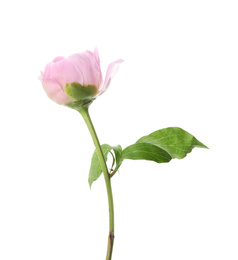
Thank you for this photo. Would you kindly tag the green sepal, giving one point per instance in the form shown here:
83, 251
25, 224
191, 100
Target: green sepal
77, 105
80, 94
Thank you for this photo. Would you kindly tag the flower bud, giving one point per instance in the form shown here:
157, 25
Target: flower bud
77, 79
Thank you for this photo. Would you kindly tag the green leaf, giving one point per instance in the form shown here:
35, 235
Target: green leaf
95, 168
174, 140
117, 150
146, 151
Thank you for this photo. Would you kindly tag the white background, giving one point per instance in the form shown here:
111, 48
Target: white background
180, 69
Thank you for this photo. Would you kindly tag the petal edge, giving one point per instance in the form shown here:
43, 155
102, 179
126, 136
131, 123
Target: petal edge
111, 72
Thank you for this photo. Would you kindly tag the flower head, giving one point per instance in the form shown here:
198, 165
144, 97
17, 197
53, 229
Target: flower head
77, 78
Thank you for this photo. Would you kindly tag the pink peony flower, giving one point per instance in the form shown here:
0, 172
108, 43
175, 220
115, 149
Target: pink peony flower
76, 78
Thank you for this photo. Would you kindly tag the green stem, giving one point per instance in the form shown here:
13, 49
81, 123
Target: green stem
84, 112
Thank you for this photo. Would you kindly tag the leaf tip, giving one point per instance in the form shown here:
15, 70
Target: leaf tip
201, 145
90, 184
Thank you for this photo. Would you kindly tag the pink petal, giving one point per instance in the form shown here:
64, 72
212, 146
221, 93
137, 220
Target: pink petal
111, 72
84, 63
96, 56
96, 62
55, 92
65, 72
58, 59
89, 53
47, 72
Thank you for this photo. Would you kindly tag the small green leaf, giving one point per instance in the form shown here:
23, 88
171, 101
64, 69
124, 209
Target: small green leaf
174, 140
146, 151
118, 154
117, 150
95, 168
